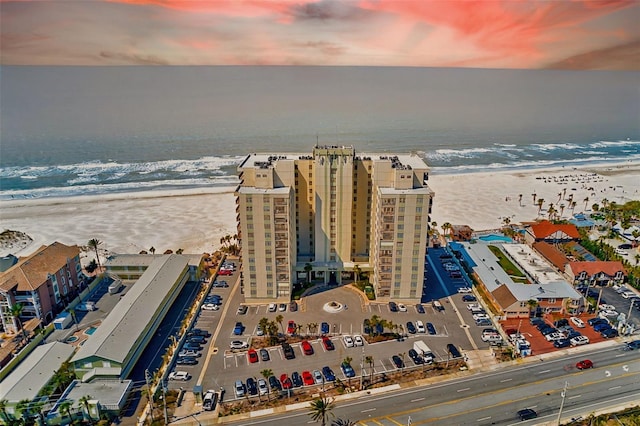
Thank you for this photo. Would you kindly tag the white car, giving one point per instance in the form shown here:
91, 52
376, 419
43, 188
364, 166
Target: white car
263, 389
179, 375
402, 307
477, 317
621, 289
238, 344
317, 377
474, 306
606, 307
239, 388
208, 400
259, 331
577, 322
348, 341
358, 340
607, 314
464, 290
554, 336
210, 307
272, 307
627, 294
579, 340
186, 352
420, 327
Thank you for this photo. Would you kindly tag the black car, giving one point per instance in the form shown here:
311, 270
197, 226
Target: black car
393, 307
527, 414
296, 379
561, 322
293, 306
187, 360
264, 354
633, 345
288, 351
274, 383
411, 328
192, 346
455, 353
609, 333
220, 284
535, 321
469, 298
596, 321
417, 359
197, 339
562, 343
366, 326
252, 387
397, 361
420, 309
430, 328
199, 332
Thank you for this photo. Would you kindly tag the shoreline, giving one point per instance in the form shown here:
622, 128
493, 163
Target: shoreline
195, 219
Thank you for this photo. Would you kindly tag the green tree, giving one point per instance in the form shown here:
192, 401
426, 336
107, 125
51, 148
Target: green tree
320, 409
23, 407
266, 373
369, 360
85, 403
532, 304
16, 311
65, 407
94, 244
279, 319
343, 422
446, 229
540, 203
308, 268
3, 411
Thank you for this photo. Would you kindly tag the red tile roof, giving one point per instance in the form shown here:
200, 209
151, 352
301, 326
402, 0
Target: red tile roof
592, 268
552, 254
545, 228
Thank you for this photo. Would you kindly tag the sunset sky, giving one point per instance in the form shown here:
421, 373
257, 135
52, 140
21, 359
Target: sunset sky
563, 34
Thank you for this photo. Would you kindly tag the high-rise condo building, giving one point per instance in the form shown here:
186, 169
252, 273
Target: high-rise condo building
320, 216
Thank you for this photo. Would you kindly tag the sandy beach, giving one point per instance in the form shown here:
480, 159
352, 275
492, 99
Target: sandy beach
196, 220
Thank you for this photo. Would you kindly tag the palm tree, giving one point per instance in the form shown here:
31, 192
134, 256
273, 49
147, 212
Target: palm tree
320, 409
356, 274
279, 319
313, 327
16, 311
562, 206
36, 407
551, 211
559, 197
540, 202
308, 268
3, 410
532, 304
85, 403
586, 201
343, 422
72, 312
369, 360
65, 407
520, 200
347, 361
266, 373
573, 207
534, 195
446, 227
94, 243
23, 407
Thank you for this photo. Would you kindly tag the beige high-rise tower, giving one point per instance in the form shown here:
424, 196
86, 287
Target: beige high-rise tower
319, 216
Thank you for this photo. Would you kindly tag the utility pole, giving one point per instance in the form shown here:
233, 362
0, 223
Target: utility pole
563, 394
147, 377
362, 367
164, 399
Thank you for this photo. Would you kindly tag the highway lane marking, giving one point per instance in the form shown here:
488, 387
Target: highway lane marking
615, 387
417, 399
483, 419
505, 380
619, 355
574, 397
366, 411
543, 371
462, 390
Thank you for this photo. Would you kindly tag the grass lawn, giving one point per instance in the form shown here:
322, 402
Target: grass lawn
506, 264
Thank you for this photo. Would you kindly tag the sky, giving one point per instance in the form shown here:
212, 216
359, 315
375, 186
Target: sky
559, 34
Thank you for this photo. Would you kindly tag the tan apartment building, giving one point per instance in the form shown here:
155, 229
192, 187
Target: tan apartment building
323, 214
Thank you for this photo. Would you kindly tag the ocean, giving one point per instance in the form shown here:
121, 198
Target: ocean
68, 131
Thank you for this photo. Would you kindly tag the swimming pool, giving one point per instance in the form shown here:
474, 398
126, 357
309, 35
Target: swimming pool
72, 339
495, 238
89, 331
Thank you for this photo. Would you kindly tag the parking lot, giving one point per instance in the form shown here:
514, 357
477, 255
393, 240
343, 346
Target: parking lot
219, 366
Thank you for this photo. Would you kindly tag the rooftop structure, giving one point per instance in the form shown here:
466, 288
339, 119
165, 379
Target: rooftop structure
551, 232
106, 395
118, 342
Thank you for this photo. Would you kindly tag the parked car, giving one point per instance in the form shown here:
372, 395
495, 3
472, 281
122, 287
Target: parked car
453, 350
415, 357
469, 298
188, 353
561, 343
282, 307
594, 321
252, 355
430, 328
633, 345
437, 305
464, 290
238, 329
199, 332
411, 328
274, 383
272, 307
291, 327
577, 322
420, 327
327, 343
347, 369
209, 400
197, 339
262, 387
287, 350
551, 337
328, 374
179, 375
601, 327
187, 360
242, 309
264, 355
210, 307
324, 328
402, 307
527, 414
252, 387
221, 284
238, 344
293, 306
239, 388
397, 361
307, 378
579, 340
286, 381
393, 307
317, 377
296, 378
307, 349
366, 326
609, 333
358, 340
348, 341
420, 308
584, 364
190, 346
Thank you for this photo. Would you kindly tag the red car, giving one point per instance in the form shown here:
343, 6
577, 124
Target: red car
286, 381
307, 378
306, 348
585, 363
291, 328
328, 344
253, 356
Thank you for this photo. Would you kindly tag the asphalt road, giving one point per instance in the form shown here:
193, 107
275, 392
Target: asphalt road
493, 398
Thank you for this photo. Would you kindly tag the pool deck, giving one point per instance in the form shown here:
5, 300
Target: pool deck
81, 335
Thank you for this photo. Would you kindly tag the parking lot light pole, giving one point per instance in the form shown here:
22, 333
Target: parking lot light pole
563, 394
362, 367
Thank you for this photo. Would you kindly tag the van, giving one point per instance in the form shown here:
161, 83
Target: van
86, 307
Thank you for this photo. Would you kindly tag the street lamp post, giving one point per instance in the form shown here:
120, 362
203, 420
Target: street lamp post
563, 394
362, 367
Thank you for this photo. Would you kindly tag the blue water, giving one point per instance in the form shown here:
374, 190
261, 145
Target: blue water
492, 238
69, 131
89, 331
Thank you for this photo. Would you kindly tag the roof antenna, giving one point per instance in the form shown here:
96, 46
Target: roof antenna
316, 139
